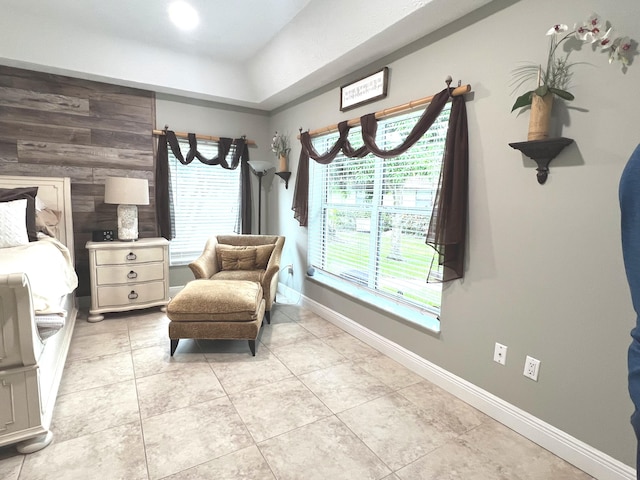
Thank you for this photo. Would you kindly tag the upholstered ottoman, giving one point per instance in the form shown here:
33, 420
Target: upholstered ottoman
216, 309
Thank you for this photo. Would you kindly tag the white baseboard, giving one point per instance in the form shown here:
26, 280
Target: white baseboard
287, 295
585, 457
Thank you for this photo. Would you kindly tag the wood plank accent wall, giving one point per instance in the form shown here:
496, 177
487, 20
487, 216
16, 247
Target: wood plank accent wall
52, 125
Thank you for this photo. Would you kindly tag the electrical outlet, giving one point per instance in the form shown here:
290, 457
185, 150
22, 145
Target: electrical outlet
531, 368
500, 354
290, 269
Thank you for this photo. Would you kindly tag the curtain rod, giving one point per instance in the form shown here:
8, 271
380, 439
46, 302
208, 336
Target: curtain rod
199, 137
387, 112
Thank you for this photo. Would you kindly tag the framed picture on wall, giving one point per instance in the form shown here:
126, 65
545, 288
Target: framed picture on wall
368, 89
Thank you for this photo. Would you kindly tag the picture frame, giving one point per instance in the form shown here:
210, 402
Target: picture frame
365, 90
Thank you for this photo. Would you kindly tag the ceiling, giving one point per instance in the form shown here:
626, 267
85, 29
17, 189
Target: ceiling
252, 53
229, 30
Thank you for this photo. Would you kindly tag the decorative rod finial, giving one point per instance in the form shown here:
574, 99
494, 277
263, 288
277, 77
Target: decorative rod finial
448, 81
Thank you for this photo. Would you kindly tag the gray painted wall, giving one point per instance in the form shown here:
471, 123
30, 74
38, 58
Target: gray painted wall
207, 118
544, 271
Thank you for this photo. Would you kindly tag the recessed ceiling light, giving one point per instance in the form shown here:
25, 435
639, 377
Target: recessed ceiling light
183, 15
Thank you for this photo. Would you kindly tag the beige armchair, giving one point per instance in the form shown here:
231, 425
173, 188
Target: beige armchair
243, 257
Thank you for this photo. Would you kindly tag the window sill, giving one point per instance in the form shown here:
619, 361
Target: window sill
179, 263
420, 320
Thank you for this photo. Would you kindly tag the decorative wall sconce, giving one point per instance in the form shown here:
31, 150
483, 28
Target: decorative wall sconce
281, 147
542, 152
285, 176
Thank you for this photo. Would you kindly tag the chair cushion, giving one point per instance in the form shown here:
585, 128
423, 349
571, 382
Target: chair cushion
216, 300
236, 258
263, 254
231, 252
248, 275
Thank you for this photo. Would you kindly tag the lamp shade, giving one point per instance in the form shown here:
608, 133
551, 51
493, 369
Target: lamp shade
261, 167
126, 191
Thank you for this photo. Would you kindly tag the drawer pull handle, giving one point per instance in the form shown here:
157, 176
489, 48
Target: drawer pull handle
133, 295
132, 274
131, 256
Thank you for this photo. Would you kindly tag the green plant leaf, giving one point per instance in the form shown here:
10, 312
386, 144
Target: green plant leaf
523, 74
561, 93
542, 90
522, 101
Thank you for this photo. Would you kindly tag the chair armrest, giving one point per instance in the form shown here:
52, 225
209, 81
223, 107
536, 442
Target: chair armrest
268, 275
270, 279
206, 265
270, 285
274, 260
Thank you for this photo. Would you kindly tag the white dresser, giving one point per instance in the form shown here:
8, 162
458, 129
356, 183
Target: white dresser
128, 275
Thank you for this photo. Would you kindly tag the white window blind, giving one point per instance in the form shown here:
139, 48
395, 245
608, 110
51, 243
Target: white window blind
368, 217
206, 200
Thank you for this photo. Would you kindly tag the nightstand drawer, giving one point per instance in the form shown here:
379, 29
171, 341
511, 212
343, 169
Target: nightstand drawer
129, 274
131, 294
129, 256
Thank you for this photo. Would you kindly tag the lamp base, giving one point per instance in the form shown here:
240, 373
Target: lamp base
127, 223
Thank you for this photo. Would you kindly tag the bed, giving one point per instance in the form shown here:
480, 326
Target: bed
35, 327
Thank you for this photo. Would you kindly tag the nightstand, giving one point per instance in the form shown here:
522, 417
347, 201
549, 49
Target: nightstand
128, 275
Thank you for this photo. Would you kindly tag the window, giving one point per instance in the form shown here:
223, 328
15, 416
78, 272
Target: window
368, 217
206, 201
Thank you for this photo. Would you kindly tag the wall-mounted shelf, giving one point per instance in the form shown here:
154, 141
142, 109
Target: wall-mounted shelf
285, 176
542, 151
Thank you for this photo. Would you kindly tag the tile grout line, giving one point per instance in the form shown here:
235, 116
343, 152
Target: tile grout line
357, 362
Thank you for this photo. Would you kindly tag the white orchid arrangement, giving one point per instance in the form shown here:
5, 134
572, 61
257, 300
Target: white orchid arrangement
280, 145
555, 77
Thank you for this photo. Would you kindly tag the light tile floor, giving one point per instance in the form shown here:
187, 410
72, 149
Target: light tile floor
314, 403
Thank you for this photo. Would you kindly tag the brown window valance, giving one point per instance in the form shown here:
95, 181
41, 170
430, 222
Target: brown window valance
447, 229
224, 145
240, 158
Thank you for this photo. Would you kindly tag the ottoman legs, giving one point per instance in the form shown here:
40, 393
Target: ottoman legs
174, 345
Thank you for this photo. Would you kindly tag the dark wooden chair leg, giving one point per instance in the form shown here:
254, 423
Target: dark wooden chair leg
267, 314
252, 347
174, 345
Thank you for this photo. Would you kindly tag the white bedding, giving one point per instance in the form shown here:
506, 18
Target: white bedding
47, 264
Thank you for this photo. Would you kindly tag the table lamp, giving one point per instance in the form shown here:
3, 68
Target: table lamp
127, 193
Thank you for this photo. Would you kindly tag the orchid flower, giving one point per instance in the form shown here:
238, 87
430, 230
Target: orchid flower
280, 144
555, 77
591, 30
557, 29
605, 42
622, 50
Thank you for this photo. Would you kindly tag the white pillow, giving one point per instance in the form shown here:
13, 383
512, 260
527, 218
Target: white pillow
13, 226
40, 205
